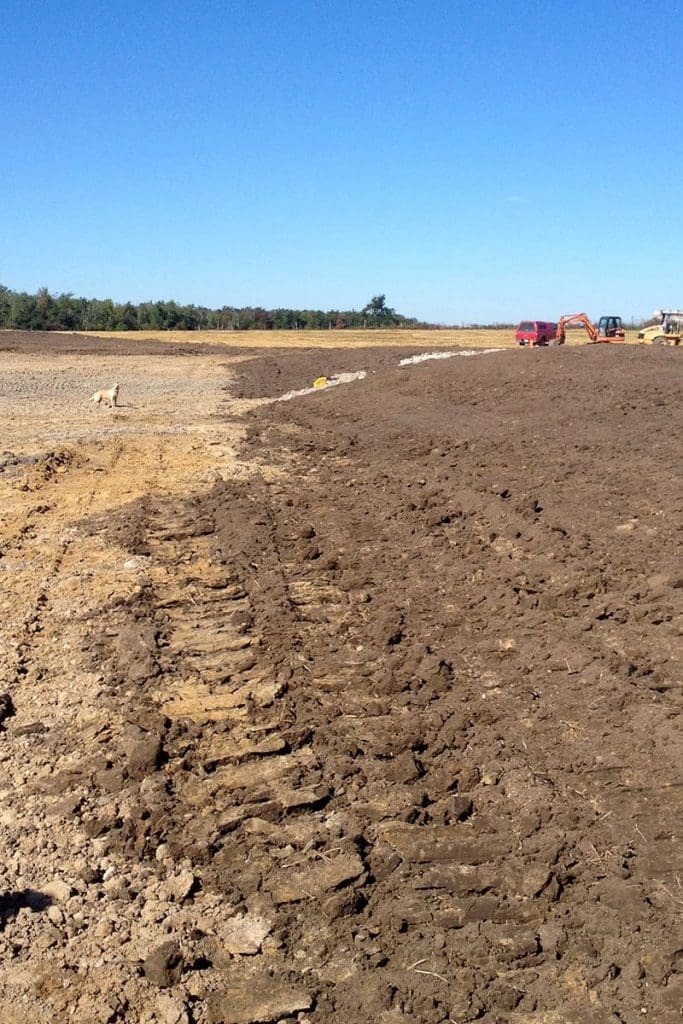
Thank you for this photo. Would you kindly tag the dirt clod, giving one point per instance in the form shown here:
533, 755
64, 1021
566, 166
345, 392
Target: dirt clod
164, 964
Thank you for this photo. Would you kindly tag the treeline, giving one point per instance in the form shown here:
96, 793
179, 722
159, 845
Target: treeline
46, 312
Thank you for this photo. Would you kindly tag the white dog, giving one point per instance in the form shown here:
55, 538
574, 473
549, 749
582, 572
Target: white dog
109, 396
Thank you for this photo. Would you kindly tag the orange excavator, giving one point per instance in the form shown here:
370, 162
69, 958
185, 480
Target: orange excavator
609, 328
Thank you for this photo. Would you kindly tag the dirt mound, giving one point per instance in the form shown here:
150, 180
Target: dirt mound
283, 370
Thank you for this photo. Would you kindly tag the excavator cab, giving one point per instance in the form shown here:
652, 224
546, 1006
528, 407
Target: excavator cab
610, 327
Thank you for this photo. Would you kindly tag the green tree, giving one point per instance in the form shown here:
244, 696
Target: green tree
378, 313
5, 306
67, 313
128, 317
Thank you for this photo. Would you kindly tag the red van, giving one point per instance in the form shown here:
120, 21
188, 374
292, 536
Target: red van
535, 332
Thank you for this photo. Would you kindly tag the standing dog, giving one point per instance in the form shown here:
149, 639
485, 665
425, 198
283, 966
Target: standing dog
109, 396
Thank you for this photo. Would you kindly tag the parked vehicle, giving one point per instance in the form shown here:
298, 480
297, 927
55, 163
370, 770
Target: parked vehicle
535, 332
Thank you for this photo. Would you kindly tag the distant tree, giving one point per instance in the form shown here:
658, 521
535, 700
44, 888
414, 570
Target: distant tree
376, 305
5, 306
128, 317
378, 313
43, 310
67, 313
103, 315
25, 314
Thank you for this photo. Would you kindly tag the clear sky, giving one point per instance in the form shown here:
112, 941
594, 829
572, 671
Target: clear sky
488, 160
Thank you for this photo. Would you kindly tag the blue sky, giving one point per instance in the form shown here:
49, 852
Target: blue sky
475, 161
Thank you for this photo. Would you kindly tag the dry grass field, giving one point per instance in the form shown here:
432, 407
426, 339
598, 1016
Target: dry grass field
451, 338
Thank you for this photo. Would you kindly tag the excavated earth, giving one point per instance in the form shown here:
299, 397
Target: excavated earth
359, 707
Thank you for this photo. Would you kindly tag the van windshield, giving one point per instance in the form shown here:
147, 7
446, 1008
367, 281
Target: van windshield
527, 327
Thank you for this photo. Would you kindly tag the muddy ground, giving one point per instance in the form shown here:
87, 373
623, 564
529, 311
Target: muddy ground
358, 707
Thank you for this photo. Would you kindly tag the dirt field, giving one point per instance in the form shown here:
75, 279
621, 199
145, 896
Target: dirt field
362, 706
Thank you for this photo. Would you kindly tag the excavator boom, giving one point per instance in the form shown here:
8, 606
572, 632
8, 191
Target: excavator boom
574, 318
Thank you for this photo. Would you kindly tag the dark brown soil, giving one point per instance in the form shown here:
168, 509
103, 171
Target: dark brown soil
41, 342
447, 615
279, 371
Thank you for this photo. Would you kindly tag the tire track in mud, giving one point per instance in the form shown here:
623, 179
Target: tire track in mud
543, 648
338, 788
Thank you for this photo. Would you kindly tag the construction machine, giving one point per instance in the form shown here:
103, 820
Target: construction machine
609, 328
667, 332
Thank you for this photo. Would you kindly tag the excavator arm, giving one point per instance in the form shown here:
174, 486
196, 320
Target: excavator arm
574, 318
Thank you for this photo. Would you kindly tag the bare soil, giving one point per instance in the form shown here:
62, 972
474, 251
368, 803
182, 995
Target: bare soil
358, 707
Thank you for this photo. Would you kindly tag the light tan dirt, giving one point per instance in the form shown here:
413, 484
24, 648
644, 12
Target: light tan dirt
62, 462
